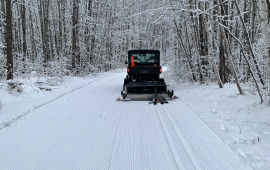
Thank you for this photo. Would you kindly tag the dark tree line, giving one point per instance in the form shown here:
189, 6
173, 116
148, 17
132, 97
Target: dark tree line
222, 41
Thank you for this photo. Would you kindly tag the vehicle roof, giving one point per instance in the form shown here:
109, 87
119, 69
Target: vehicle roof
144, 51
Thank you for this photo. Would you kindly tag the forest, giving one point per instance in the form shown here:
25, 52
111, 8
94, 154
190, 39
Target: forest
222, 41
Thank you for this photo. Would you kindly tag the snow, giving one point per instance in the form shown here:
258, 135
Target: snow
76, 123
240, 121
16, 105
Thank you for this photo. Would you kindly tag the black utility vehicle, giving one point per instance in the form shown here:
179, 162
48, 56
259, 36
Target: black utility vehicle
143, 80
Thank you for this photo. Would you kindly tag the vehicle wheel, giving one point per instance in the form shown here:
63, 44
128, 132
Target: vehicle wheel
125, 83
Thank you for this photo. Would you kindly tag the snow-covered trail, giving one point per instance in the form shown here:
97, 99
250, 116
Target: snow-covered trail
88, 129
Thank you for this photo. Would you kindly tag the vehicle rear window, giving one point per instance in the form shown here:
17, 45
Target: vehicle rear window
144, 58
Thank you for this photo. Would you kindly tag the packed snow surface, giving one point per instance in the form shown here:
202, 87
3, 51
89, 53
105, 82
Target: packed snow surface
76, 123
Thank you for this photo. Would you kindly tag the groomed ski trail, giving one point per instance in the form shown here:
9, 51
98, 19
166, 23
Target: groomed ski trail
90, 130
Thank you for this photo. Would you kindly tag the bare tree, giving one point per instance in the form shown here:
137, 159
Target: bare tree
266, 34
246, 34
210, 47
75, 50
228, 50
9, 41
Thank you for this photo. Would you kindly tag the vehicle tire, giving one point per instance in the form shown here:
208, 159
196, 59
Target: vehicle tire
125, 83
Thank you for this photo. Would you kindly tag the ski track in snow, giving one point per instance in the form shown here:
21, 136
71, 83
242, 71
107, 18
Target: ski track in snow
24, 113
200, 143
90, 130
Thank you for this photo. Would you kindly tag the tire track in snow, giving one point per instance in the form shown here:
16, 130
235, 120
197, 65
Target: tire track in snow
129, 142
180, 154
140, 143
106, 134
147, 158
24, 113
98, 153
203, 143
134, 134
64, 144
116, 137
76, 156
162, 157
117, 162
15, 151
42, 107
133, 142
29, 127
24, 146
44, 142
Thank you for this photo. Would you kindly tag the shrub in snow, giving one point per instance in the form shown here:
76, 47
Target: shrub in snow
15, 85
55, 81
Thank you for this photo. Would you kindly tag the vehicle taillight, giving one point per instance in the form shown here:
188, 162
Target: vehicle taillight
160, 70
128, 70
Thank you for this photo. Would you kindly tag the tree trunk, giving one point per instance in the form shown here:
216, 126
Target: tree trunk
210, 47
268, 7
46, 32
180, 40
75, 60
254, 8
24, 34
249, 43
222, 62
196, 46
229, 54
9, 42
249, 67
266, 34
62, 12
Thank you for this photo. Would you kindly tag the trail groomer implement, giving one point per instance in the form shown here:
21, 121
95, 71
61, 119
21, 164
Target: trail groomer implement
143, 80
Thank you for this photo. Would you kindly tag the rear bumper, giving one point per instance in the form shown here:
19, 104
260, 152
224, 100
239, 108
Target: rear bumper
134, 96
144, 70
146, 88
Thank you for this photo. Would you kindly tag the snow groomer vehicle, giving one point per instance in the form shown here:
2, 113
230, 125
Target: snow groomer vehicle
143, 80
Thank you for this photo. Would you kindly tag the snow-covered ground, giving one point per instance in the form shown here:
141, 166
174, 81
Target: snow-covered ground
240, 121
75, 123
36, 92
